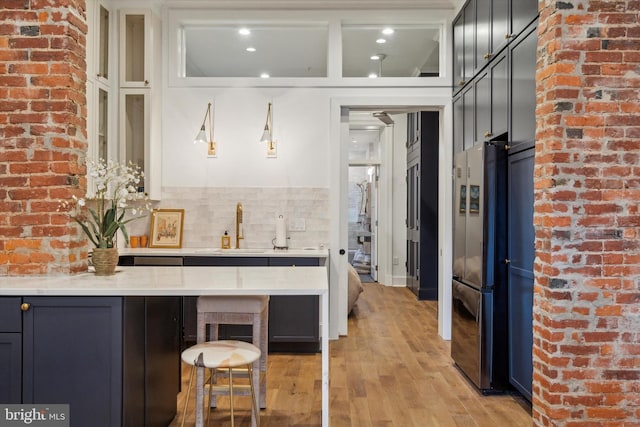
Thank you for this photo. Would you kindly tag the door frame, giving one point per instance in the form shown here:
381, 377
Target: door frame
338, 201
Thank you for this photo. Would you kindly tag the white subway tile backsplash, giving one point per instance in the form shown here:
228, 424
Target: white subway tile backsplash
211, 211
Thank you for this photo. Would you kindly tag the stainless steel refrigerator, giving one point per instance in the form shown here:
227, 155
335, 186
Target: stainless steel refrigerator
479, 320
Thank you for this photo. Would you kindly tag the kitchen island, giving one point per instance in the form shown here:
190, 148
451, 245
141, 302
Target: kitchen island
294, 320
109, 298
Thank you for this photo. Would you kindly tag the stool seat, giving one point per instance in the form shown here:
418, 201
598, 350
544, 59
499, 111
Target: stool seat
221, 354
232, 304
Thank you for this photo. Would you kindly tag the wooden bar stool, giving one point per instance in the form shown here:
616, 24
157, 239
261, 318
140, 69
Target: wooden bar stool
224, 354
238, 310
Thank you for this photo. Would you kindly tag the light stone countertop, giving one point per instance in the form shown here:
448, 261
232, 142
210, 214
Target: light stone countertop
150, 281
213, 252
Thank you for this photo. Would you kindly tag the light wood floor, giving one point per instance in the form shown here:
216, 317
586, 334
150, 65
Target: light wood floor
392, 370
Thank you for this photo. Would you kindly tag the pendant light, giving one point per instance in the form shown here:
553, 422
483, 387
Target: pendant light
201, 137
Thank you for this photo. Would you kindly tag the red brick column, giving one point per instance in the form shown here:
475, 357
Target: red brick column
586, 349
42, 134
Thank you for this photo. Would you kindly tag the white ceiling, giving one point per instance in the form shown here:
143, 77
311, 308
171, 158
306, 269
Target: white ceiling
325, 4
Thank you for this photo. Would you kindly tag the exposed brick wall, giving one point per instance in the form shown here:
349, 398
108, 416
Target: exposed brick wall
42, 134
587, 197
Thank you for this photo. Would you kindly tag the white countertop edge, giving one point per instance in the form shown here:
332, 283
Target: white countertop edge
175, 281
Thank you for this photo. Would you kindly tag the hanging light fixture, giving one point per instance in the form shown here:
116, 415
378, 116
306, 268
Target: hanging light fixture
267, 134
201, 138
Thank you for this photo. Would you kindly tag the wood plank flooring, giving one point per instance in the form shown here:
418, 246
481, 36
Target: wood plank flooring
392, 370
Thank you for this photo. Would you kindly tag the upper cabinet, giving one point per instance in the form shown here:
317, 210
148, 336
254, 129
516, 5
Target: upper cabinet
458, 51
469, 40
483, 33
523, 90
500, 28
139, 95
482, 30
136, 47
523, 13
98, 42
100, 83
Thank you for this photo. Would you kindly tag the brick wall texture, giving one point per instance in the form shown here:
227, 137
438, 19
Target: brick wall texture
42, 134
586, 350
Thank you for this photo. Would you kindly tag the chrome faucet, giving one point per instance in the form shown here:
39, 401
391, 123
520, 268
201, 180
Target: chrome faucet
239, 221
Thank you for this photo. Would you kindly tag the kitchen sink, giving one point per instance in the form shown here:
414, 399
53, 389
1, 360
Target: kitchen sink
230, 251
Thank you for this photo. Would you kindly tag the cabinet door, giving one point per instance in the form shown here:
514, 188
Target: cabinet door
162, 368
72, 353
523, 12
521, 254
134, 130
458, 124
10, 367
458, 52
499, 96
500, 33
483, 33
104, 24
523, 92
293, 318
483, 108
469, 40
10, 350
468, 118
135, 48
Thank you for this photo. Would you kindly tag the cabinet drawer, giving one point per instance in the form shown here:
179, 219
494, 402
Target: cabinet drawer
10, 314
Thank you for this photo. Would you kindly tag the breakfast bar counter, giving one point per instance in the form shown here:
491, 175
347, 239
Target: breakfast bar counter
131, 284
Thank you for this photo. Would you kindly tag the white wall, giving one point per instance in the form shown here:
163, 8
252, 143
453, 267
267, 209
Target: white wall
399, 201
300, 118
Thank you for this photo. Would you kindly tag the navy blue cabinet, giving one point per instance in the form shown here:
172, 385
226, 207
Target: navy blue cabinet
72, 353
114, 360
523, 91
10, 350
523, 13
521, 255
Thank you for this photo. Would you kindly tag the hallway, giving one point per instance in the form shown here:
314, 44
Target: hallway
392, 370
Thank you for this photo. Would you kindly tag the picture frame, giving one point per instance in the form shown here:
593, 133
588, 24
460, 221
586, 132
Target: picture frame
166, 228
474, 199
463, 199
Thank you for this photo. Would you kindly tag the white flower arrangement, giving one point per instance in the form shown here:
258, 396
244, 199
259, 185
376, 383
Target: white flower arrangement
107, 215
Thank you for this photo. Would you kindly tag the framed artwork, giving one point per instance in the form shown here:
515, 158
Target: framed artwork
166, 228
463, 198
474, 199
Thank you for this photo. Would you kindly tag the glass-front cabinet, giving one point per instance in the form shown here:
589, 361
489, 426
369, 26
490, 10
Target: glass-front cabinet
139, 106
134, 128
135, 48
100, 144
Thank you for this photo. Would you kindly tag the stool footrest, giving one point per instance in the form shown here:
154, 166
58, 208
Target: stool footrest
223, 390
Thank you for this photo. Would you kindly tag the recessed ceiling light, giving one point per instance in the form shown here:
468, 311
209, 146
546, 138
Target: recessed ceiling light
251, 49
374, 57
265, 75
388, 31
373, 76
380, 41
244, 31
